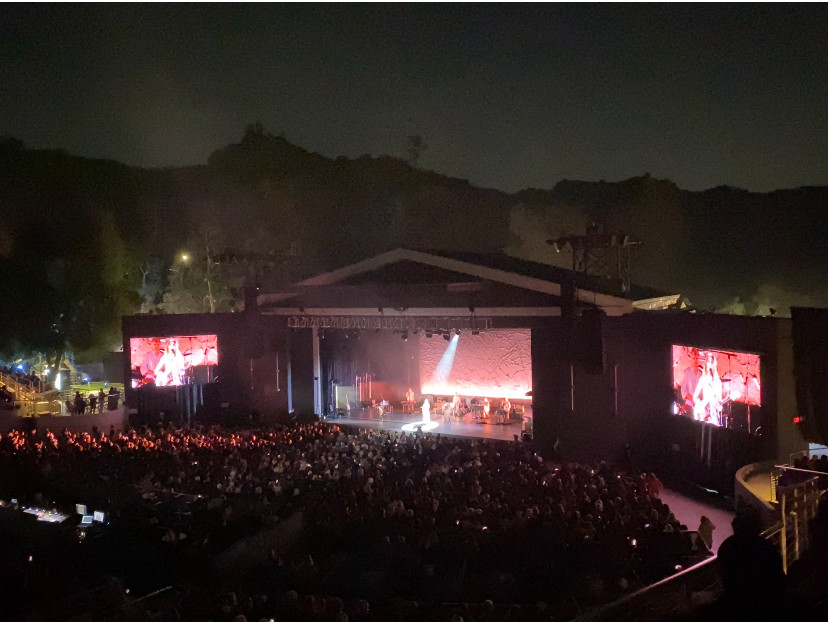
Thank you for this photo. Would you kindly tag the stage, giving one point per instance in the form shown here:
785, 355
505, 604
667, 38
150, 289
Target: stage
466, 427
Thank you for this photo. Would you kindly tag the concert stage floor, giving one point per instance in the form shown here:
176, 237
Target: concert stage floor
466, 427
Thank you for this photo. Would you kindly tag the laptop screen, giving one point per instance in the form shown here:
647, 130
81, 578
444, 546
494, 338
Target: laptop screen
86, 520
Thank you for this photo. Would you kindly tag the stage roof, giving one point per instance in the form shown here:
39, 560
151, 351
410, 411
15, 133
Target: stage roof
406, 279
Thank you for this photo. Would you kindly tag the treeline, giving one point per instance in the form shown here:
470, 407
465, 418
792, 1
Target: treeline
84, 241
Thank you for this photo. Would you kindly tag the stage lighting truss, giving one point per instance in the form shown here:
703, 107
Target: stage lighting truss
429, 325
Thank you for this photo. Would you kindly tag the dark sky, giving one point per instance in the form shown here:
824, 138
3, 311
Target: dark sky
507, 96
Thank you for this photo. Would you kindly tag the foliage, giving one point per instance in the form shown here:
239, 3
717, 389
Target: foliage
198, 282
66, 284
153, 282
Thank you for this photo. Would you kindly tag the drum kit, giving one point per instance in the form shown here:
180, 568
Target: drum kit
383, 408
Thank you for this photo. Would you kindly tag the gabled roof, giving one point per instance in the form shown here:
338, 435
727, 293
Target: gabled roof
495, 267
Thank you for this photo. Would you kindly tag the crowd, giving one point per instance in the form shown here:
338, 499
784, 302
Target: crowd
424, 518
807, 466
93, 402
14, 383
19, 375
6, 396
814, 463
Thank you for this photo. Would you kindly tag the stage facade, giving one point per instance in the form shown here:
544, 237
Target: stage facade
498, 347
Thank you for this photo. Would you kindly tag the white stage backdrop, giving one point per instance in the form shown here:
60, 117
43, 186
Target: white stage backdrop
494, 364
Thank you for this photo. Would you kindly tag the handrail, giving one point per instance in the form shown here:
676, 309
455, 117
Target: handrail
610, 610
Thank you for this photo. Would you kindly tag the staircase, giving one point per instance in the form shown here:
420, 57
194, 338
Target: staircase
29, 398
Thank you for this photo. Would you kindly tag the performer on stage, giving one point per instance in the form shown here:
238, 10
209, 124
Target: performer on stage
426, 411
506, 405
447, 410
486, 407
455, 405
409, 395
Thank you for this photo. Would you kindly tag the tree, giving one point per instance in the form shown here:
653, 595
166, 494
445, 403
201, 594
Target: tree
67, 282
153, 282
198, 283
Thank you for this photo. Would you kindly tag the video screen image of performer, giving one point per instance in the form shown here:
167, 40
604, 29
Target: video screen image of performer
707, 382
170, 361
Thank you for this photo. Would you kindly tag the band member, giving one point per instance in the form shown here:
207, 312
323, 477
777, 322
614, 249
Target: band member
689, 381
486, 407
455, 405
409, 395
170, 369
426, 411
506, 405
447, 410
383, 407
150, 361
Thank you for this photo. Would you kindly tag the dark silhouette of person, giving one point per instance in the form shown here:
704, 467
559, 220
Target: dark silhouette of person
80, 403
751, 570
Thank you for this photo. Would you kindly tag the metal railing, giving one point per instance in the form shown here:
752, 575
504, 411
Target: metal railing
798, 507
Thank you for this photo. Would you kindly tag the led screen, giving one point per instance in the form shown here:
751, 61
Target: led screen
172, 361
493, 364
717, 386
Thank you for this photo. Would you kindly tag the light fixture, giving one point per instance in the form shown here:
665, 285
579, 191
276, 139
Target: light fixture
475, 332
428, 334
446, 336
405, 336
457, 331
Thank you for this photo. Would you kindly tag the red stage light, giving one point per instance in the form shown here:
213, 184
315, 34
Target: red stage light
798, 419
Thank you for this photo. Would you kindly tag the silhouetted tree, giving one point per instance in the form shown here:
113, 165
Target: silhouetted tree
198, 283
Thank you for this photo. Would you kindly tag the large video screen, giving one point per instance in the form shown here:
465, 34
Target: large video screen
493, 364
173, 361
717, 386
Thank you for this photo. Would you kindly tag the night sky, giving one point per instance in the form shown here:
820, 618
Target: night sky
505, 96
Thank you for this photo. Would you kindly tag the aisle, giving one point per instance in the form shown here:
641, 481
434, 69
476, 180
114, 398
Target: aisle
689, 512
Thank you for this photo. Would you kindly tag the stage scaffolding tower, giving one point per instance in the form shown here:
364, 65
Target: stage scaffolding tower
600, 255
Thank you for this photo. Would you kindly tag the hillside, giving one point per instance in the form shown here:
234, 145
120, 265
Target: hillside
266, 195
